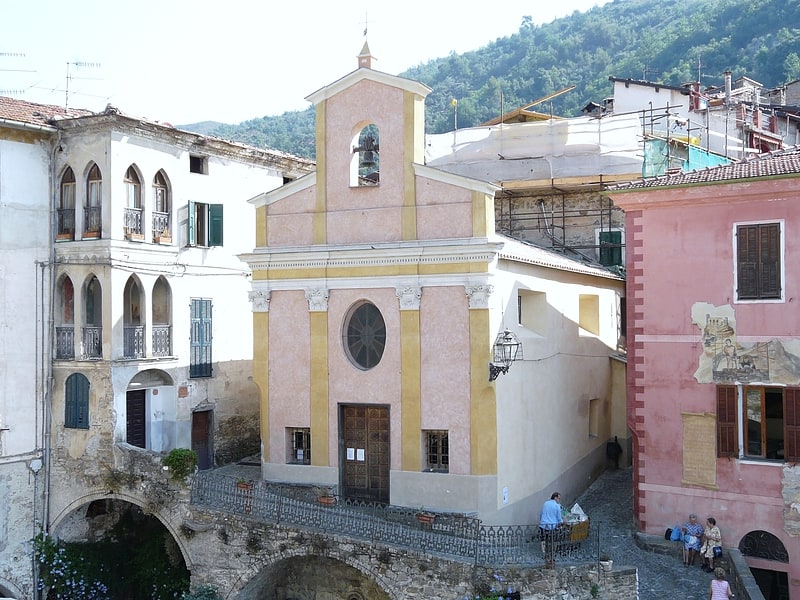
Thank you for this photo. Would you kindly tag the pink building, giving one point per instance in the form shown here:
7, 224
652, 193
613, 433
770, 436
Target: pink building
714, 356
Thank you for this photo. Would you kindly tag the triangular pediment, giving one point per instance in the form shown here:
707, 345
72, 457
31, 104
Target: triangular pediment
359, 75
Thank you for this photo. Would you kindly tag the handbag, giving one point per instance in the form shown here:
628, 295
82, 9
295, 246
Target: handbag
668, 534
717, 551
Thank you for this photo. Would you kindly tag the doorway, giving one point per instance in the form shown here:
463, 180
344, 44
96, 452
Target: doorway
136, 434
201, 438
364, 452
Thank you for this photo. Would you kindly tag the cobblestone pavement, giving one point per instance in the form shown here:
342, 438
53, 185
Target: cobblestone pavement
609, 501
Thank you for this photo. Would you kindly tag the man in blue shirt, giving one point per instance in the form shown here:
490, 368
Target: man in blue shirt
549, 521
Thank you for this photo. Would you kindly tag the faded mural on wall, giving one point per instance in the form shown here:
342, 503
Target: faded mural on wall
725, 359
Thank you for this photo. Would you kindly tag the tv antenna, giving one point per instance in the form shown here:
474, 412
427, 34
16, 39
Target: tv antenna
78, 64
10, 92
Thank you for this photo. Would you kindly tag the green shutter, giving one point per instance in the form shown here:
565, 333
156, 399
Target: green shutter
215, 224
191, 240
76, 402
611, 248
200, 338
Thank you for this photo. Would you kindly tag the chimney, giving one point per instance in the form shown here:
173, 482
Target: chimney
727, 87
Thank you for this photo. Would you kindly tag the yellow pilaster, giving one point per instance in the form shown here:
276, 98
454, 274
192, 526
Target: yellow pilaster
319, 227
483, 409
411, 416
320, 431
261, 226
482, 214
409, 214
261, 374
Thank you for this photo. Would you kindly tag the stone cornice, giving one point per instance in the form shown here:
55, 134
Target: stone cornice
426, 252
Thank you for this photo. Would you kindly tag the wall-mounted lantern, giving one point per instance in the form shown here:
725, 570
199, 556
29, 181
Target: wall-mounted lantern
507, 348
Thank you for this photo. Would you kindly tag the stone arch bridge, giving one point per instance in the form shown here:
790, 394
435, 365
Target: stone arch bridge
252, 539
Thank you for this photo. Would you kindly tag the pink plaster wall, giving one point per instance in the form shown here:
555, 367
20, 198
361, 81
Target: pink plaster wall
442, 210
445, 392
680, 252
289, 383
291, 220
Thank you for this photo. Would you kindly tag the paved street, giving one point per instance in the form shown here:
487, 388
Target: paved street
609, 501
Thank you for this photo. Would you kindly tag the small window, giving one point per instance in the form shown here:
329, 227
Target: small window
589, 313
198, 164
205, 224
365, 336
300, 445
758, 261
532, 311
594, 417
437, 452
76, 402
133, 188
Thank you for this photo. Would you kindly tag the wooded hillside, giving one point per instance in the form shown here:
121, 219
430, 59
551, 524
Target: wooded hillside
670, 41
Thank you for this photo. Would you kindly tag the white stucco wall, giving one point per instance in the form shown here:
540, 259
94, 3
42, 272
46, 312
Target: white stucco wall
24, 310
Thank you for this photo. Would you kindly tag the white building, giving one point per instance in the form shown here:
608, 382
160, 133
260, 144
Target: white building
120, 237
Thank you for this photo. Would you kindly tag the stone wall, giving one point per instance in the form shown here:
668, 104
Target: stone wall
247, 560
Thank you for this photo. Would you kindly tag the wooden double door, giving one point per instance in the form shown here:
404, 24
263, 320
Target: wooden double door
364, 452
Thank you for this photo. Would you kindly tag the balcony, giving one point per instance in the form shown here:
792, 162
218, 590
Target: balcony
66, 224
162, 340
133, 224
92, 221
133, 341
92, 342
65, 342
161, 231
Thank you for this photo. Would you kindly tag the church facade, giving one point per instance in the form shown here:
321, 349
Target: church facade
381, 295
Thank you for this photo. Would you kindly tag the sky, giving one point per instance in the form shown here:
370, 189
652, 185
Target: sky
185, 61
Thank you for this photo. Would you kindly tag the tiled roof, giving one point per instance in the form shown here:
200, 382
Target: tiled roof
770, 164
31, 113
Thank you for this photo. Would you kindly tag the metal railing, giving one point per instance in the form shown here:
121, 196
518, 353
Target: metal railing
455, 536
65, 342
66, 222
160, 223
92, 219
162, 340
133, 341
133, 221
92, 342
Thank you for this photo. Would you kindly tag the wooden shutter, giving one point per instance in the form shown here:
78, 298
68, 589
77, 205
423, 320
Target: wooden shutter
769, 241
215, 224
747, 261
76, 402
791, 423
727, 443
758, 261
191, 226
610, 249
200, 340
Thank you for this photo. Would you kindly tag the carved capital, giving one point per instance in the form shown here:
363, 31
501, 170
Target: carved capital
317, 299
260, 300
409, 297
478, 295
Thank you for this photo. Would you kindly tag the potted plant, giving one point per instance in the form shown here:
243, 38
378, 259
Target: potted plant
164, 237
326, 499
425, 517
244, 484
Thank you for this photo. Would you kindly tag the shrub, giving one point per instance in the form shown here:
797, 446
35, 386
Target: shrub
181, 463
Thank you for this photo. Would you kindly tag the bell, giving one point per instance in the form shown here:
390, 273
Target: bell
369, 159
